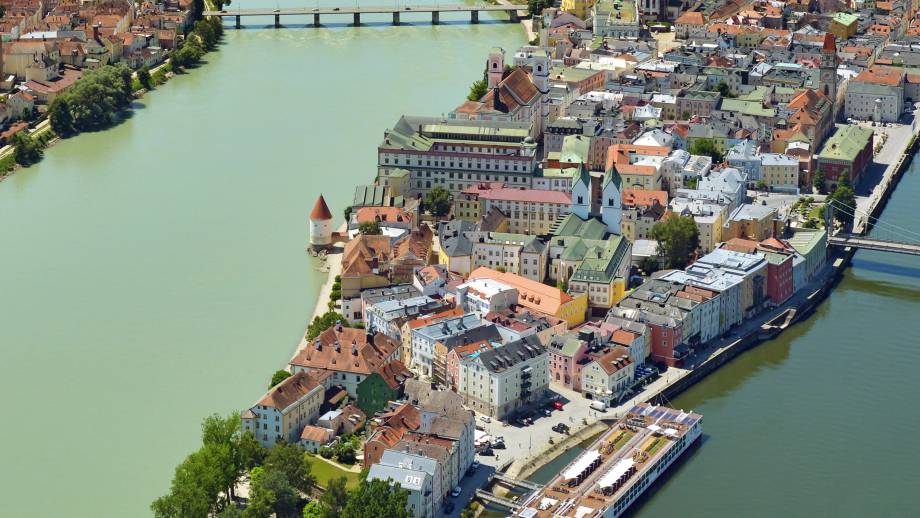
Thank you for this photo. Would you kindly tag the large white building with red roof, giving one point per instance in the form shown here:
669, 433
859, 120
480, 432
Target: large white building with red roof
284, 411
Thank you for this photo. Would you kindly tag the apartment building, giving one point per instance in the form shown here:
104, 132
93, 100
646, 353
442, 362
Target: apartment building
284, 411
502, 379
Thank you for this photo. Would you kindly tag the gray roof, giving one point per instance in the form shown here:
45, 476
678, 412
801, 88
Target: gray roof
452, 235
501, 358
413, 480
398, 292
409, 460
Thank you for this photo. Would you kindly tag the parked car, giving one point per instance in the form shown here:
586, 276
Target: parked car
557, 405
486, 419
475, 464
456, 491
561, 428
499, 443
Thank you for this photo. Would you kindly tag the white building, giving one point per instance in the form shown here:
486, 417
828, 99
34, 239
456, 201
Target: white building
424, 339
285, 409
607, 377
498, 381
416, 482
780, 172
482, 296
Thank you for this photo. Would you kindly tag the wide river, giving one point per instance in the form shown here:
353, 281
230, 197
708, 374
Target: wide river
154, 273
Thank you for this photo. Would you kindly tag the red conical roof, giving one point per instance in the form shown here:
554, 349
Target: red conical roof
320, 210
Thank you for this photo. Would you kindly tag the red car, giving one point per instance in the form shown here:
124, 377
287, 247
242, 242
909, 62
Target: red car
557, 405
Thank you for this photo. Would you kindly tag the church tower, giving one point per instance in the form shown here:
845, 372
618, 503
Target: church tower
540, 69
612, 201
496, 67
828, 70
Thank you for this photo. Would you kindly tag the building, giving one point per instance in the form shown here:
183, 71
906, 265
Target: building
540, 298
388, 316
845, 155
502, 379
749, 221
512, 96
639, 167
709, 219
619, 467
406, 334
286, 409
780, 172
844, 25
416, 482
424, 339
320, 225
601, 269
312, 438
430, 466
348, 355
382, 386
641, 211
876, 94
568, 354
609, 376
483, 296
456, 154
812, 245
616, 19
465, 250
529, 211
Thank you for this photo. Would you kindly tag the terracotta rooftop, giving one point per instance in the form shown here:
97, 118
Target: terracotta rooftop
881, 76
289, 391
644, 198
344, 349
531, 294
320, 210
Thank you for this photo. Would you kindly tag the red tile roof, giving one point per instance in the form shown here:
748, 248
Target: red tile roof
526, 195
320, 210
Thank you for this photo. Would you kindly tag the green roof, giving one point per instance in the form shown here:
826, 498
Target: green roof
845, 18
572, 225
612, 176
602, 260
804, 239
555, 172
846, 143
571, 73
575, 148
746, 107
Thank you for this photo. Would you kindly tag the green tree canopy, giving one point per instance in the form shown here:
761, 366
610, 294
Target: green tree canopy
279, 376
678, 238
27, 150
324, 322
333, 500
376, 498
271, 492
845, 204
59, 115
369, 228
817, 182
478, 89
438, 201
291, 461
143, 76
706, 147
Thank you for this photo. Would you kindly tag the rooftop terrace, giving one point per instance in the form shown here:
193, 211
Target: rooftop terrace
615, 464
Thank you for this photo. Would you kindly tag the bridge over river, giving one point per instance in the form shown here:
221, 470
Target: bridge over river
514, 12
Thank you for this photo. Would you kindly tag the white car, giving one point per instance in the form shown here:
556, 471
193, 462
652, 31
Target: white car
456, 492
486, 419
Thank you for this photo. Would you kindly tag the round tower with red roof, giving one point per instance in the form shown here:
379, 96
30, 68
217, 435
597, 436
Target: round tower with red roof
320, 225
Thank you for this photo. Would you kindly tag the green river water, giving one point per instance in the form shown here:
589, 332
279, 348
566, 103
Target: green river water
155, 272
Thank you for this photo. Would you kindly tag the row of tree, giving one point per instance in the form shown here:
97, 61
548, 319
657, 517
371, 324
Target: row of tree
91, 103
279, 480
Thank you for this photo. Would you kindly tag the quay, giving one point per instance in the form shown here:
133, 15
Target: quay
514, 12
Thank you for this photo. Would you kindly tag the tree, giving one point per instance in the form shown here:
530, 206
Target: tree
692, 182
724, 89
536, 7
375, 498
334, 498
649, 265
312, 510
706, 147
438, 201
478, 89
678, 238
347, 213
195, 489
844, 202
278, 377
345, 453
369, 228
93, 99
818, 182
27, 150
59, 115
324, 322
291, 461
761, 185
26, 114
271, 492
143, 75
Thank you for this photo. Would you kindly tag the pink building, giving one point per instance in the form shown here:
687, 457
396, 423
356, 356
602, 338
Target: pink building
568, 353
456, 355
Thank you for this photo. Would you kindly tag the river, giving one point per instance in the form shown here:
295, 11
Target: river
819, 421
155, 273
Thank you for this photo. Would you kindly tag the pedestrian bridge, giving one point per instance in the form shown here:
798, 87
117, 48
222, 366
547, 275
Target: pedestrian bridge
514, 12
882, 245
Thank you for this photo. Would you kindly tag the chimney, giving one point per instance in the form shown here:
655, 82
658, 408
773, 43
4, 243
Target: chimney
95, 31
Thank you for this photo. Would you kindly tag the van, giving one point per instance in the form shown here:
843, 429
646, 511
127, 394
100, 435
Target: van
600, 406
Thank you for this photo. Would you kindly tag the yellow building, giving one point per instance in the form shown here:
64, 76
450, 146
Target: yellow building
579, 8
844, 25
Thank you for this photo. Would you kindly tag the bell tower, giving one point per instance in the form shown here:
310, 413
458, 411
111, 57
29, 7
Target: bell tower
496, 67
828, 69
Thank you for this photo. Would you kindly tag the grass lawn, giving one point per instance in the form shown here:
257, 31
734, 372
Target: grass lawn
624, 437
324, 472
